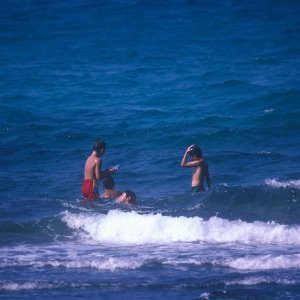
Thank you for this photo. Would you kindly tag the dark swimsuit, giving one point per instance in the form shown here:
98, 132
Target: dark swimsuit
197, 189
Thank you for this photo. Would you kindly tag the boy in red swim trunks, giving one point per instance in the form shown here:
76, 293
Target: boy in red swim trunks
93, 173
200, 168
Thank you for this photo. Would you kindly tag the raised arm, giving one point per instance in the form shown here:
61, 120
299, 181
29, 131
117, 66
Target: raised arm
184, 162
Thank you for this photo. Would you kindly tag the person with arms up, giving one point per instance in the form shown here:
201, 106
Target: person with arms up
200, 168
93, 172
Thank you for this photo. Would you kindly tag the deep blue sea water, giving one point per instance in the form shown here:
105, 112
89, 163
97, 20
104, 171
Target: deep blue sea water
150, 78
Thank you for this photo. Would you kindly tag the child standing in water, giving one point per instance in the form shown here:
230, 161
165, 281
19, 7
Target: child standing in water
200, 168
93, 173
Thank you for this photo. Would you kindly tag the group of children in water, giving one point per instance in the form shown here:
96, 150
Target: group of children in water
93, 172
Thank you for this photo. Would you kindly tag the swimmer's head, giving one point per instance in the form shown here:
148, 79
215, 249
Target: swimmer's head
128, 196
196, 151
108, 183
99, 146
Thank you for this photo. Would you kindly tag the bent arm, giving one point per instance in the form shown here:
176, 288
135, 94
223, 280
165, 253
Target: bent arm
98, 169
102, 174
184, 163
107, 172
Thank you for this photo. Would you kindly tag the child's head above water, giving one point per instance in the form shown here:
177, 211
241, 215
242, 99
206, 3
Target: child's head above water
128, 197
108, 183
196, 151
99, 145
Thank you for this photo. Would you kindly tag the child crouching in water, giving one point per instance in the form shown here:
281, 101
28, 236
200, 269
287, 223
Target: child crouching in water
109, 184
126, 197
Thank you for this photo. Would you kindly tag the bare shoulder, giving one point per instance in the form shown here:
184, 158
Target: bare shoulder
199, 162
111, 194
203, 162
93, 159
104, 195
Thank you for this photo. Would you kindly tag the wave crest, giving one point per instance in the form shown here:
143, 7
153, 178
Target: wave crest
132, 228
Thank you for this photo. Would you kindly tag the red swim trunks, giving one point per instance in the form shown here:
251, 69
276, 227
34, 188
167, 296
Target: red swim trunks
90, 189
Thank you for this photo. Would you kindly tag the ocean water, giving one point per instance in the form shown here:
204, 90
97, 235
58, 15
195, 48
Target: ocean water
150, 78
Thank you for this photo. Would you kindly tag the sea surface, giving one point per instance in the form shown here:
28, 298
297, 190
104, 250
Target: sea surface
150, 78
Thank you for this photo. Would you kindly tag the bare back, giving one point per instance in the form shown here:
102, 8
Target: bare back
92, 168
200, 172
111, 194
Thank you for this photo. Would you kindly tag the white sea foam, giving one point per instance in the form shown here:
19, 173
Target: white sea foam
69, 205
107, 264
265, 262
278, 184
132, 228
269, 110
251, 262
36, 285
76, 263
207, 296
178, 255
258, 280
12, 286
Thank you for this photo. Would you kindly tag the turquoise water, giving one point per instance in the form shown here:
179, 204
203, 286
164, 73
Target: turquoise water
150, 78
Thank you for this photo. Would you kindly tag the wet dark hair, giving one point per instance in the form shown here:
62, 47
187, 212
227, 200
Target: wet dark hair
108, 183
98, 145
132, 196
196, 151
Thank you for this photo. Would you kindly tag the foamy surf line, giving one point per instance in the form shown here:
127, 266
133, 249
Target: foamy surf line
37, 285
264, 262
259, 280
277, 184
99, 264
249, 262
132, 228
